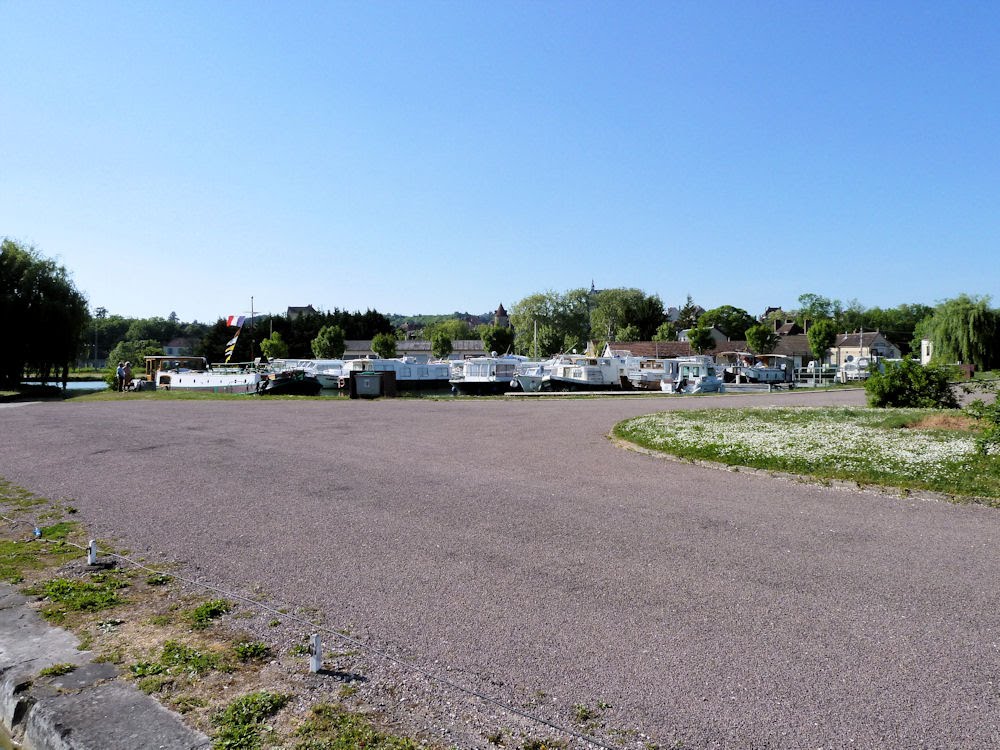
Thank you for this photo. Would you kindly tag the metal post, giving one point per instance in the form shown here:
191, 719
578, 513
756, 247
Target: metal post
92, 552
315, 653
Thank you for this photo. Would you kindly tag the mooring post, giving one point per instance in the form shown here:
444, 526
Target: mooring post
92, 552
315, 653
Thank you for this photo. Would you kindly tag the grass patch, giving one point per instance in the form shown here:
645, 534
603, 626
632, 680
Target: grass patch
243, 722
331, 728
904, 448
67, 595
251, 650
57, 670
203, 615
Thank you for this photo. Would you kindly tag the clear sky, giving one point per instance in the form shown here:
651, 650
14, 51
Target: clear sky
426, 157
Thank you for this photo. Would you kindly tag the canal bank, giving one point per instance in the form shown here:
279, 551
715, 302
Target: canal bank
83, 705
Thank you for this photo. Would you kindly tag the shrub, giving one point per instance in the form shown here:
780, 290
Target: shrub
907, 384
989, 415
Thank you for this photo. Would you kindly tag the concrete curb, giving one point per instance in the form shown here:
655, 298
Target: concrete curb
88, 709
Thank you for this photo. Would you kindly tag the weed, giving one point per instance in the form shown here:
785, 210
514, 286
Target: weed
330, 728
185, 703
582, 714
159, 579
57, 670
202, 615
59, 531
69, 595
241, 724
495, 738
274, 623
160, 620
250, 650
299, 649
347, 691
178, 656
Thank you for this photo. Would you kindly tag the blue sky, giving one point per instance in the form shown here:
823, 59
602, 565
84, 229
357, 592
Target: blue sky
427, 157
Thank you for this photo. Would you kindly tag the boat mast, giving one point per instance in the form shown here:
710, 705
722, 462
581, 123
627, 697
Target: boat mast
251, 328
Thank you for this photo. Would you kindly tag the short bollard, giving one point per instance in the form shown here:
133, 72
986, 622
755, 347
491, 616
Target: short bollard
92, 552
315, 653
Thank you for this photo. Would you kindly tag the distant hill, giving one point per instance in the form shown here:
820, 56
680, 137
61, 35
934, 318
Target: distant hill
421, 321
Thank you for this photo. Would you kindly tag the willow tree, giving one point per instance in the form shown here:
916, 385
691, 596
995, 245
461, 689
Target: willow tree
46, 312
966, 329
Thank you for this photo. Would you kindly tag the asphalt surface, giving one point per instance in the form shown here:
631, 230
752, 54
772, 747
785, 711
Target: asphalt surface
510, 543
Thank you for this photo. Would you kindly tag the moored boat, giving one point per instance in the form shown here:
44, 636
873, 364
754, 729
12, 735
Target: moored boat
410, 374
291, 382
196, 374
479, 376
694, 374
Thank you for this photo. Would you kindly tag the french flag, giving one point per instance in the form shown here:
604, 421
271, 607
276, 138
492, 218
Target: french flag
235, 320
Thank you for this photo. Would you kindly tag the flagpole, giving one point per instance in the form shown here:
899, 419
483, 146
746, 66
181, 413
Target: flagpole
251, 328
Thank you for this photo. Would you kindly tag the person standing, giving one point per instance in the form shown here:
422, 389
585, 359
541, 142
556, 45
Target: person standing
120, 377
128, 376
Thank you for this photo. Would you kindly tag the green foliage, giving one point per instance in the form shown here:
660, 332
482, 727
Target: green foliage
822, 335
732, 321
158, 579
630, 333
965, 329
687, 316
761, 339
384, 345
329, 343
71, 595
331, 728
251, 650
452, 328
615, 309
666, 332
134, 352
988, 440
242, 723
907, 384
57, 670
499, 339
563, 321
47, 315
441, 345
701, 340
274, 346
202, 615
815, 307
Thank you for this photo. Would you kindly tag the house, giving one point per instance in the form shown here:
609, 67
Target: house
298, 312
180, 347
718, 335
866, 344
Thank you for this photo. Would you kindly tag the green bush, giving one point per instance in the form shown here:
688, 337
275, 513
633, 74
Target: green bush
908, 384
989, 415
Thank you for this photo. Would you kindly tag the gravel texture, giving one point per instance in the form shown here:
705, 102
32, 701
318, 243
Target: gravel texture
509, 547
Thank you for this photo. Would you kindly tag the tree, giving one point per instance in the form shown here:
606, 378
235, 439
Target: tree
630, 333
687, 316
453, 328
906, 384
966, 329
822, 335
617, 308
134, 352
496, 338
48, 315
384, 345
701, 340
732, 321
761, 339
440, 345
563, 321
815, 307
329, 343
274, 346
666, 332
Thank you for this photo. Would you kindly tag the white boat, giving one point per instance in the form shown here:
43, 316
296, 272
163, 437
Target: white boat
646, 373
695, 374
478, 376
531, 376
581, 373
744, 367
195, 374
409, 373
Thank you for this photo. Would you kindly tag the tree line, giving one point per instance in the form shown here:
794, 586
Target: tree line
54, 327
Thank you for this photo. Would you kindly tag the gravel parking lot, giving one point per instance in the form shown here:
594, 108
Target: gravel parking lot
509, 545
